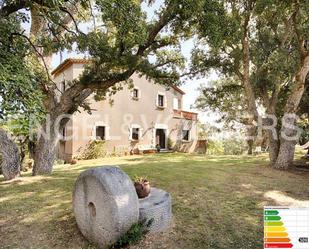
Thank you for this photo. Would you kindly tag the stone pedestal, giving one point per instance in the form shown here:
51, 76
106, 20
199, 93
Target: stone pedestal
157, 206
105, 204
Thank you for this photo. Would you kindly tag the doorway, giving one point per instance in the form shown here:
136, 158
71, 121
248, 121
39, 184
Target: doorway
161, 138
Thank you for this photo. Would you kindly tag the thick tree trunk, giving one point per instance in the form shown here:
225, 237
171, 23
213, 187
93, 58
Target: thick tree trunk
286, 155
10, 156
288, 140
251, 135
288, 130
273, 148
45, 149
272, 130
247, 84
250, 147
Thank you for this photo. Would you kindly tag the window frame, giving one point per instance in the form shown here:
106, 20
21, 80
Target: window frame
104, 133
164, 100
139, 133
136, 133
188, 134
138, 93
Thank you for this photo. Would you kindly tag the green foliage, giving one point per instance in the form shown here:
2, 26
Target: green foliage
140, 179
170, 143
224, 97
227, 146
303, 124
303, 112
135, 234
94, 149
215, 147
206, 130
19, 92
131, 42
234, 146
217, 25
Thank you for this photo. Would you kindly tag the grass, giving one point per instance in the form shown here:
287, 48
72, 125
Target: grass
217, 201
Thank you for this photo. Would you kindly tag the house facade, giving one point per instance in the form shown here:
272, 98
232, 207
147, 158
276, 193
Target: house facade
139, 118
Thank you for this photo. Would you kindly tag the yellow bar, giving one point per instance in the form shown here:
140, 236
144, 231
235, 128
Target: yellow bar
274, 229
276, 235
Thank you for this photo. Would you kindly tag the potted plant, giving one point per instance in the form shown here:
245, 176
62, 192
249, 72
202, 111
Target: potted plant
142, 186
158, 147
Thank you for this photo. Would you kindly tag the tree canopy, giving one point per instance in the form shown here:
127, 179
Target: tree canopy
264, 45
121, 40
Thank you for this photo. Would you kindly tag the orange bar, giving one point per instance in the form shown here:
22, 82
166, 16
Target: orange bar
277, 240
276, 235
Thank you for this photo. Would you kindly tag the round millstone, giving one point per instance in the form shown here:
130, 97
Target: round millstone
158, 208
105, 204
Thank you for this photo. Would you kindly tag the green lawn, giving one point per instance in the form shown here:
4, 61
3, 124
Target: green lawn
217, 201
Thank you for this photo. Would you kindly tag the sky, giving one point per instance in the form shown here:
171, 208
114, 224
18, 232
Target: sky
189, 87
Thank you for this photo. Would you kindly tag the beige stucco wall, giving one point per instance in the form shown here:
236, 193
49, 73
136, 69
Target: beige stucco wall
123, 114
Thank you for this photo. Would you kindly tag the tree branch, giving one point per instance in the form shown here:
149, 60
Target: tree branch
36, 51
165, 18
11, 8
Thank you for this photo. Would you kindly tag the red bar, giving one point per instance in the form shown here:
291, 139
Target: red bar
278, 245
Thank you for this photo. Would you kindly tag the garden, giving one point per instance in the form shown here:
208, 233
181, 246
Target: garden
217, 201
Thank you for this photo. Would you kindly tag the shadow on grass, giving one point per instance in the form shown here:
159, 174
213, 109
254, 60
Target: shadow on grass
217, 201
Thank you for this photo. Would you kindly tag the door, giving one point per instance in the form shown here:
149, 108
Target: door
161, 138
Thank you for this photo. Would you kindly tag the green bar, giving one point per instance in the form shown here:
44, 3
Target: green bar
272, 218
273, 223
271, 212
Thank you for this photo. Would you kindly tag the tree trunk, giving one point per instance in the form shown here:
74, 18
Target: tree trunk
45, 149
286, 155
10, 156
273, 148
288, 140
272, 131
288, 131
247, 84
250, 147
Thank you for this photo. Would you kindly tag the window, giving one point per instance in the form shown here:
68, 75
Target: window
160, 100
135, 133
135, 93
177, 104
63, 133
100, 133
185, 135
62, 86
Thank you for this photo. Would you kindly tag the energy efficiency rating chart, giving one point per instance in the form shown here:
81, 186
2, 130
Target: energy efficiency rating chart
286, 227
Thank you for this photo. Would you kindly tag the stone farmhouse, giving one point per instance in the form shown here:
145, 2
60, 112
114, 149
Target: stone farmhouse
140, 119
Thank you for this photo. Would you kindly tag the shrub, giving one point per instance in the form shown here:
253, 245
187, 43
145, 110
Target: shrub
215, 147
94, 149
170, 144
135, 234
227, 146
234, 146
